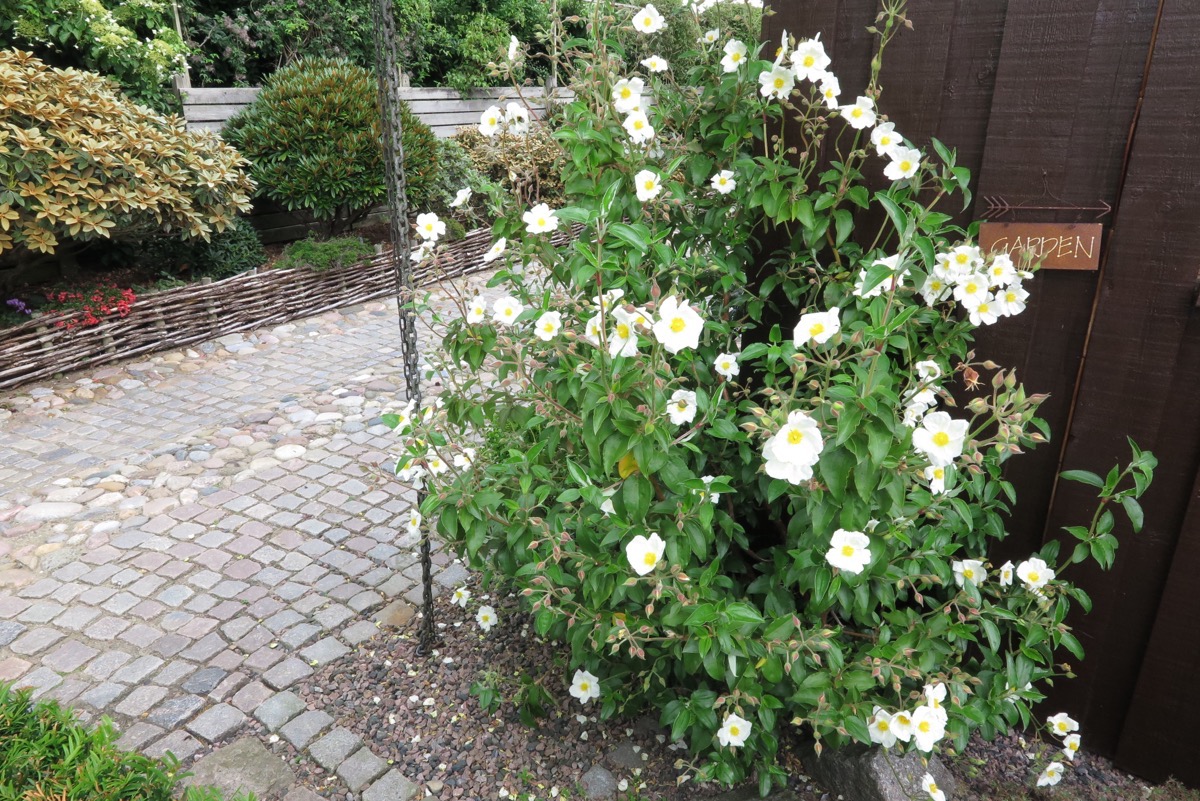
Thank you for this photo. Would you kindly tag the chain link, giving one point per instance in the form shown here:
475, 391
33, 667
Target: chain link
387, 69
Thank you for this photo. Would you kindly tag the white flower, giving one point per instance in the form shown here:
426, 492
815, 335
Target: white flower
410, 472
1070, 746
643, 553
638, 126
860, 115
883, 136
777, 82
513, 45
547, 326
971, 289
489, 121
880, 727
707, 492
849, 551
496, 250
461, 197
831, 89
1010, 300
711, 36
413, 526
724, 182
928, 370
648, 20
647, 184
965, 259
935, 694
930, 786
936, 476
585, 686
477, 310
429, 227
940, 438
913, 414
734, 731
1035, 573
1051, 776
434, 463
1002, 271
1062, 724
623, 339
794, 449
606, 301
656, 64
904, 163
935, 290
627, 94
682, 407
460, 597
517, 117
809, 60
735, 55
985, 311
465, 458
928, 727
727, 366
887, 284
506, 310
902, 726
486, 617
592, 329
539, 219
678, 325
607, 506
969, 570
1006, 574
817, 327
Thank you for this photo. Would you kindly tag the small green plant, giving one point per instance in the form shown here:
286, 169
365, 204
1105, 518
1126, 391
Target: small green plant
46, 754
320, 256
526, 693
313, 140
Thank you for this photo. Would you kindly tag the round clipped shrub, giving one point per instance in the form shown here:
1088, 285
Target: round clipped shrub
81, 162
313, 140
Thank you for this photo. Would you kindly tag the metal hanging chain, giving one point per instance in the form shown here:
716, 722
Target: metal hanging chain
387, 68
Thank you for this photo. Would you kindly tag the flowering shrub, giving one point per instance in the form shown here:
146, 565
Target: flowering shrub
93, 303
743, 524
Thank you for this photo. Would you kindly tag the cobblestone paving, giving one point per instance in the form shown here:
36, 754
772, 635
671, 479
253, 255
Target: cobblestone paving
184, 538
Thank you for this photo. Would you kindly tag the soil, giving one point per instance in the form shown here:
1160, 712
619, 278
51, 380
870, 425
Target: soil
420, 713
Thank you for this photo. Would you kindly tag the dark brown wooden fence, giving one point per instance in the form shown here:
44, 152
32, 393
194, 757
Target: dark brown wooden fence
1083, 103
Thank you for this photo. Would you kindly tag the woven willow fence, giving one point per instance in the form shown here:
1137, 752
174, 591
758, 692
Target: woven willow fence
199, 312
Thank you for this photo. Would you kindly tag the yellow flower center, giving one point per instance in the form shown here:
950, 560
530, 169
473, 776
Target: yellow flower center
939, 473
734, 731
847, 551
795, 436
1011, 297
961, 258
726, 365
941, 439
626, 93
856, 113
779, 83
809, 60
1072, 747
541, 221
924, 726
649, 185
905, 165
1033, 579
678, 324
650, 559
932, 788
638, 125
935, 285
885, 140
968, 573
647, 22
508, 312
583, 686
882, 725
548, 328
982, 308
816, 330
622, 330
972, 288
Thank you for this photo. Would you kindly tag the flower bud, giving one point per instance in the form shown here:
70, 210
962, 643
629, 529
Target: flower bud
977, 406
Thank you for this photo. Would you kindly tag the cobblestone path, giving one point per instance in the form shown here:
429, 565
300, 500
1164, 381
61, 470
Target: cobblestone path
184, 538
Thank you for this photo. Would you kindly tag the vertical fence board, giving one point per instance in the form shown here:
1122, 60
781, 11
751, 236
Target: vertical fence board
1142, 378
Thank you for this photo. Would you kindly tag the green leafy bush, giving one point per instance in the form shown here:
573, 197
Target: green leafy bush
135, 44
750, 500
46, 754
313, 140
527, 165
321, 256
235, 250
80, 162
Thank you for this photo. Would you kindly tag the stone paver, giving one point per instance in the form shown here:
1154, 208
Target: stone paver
184, 538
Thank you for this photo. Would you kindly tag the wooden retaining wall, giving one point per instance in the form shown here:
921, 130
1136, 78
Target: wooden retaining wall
174, 318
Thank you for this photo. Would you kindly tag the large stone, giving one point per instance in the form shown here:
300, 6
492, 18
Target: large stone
395, 615
42, 512
243, 766
598, 783
875, 774
391, 787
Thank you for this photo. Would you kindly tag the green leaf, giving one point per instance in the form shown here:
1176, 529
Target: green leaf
843, 222
1083, 477
1134, 510
630, 236
835, 465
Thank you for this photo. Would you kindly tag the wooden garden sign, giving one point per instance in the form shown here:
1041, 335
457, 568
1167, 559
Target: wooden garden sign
1061, 246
